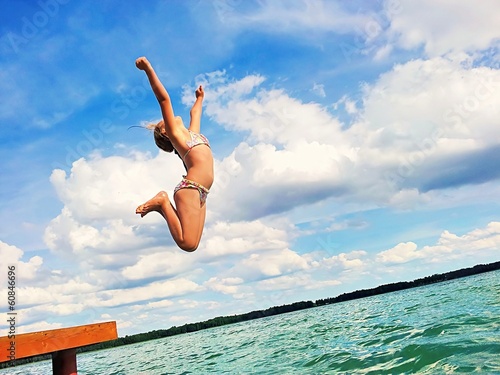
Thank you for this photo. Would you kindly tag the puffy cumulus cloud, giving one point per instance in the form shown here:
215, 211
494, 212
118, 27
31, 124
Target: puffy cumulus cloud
346, 261
98, 223
38, 305
487, 239
273, 290
89, 302
163, 263
421, 120
419, 115
103, 188
413, 100
269, 116
63, 291
153, 291
401, 253
60, 309
104, 243
12, 256
229, 285
32, 296
155, 305
66, 295
409, 198
277, 165
9, 253
74, 287
269, 264
479, 244
229, 238
38, 326
447, 28
262, 180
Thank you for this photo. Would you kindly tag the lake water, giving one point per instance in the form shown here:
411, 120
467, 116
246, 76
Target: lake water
445, 328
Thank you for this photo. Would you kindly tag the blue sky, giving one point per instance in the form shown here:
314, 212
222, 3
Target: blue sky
356, 144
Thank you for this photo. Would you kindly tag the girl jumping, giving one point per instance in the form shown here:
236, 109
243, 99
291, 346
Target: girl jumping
186, 220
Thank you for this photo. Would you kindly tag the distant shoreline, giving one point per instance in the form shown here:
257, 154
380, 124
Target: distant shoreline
276, 310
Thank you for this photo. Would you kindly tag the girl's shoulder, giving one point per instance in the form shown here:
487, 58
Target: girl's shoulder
179, 133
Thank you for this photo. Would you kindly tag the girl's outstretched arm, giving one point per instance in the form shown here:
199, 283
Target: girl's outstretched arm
196, 110
160, 92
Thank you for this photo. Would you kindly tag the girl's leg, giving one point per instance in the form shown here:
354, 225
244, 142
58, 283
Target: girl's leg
186, 223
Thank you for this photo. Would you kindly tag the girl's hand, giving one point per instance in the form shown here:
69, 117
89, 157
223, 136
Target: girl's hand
142, 63
200, 93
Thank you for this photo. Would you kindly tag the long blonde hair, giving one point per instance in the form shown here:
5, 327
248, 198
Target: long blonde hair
161, 140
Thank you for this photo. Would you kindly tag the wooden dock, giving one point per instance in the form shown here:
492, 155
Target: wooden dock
61, 343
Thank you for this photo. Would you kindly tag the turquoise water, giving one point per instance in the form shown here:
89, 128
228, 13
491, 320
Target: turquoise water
445, 328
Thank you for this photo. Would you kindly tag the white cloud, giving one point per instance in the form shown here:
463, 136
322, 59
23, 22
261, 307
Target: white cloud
269, 264
319, 89
162, 263
478, 243
153, 291
444, 26
225, 238
290, 18
61, 309
422, 118
98, 221
38, 327
270, 116
12, 255
351, 261
155, 305
9, 253
37, 295
401, 253
408, 198
114, 186
414, 117
228, 285
487, 239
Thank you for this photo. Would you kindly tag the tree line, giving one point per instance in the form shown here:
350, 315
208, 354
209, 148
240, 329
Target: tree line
276, 310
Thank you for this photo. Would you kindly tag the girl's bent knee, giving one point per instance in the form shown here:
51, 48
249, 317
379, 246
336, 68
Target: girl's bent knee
189, 247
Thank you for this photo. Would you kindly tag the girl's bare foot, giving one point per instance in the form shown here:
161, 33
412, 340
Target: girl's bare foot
154, 204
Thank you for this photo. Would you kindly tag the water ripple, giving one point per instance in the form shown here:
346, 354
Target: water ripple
446, 328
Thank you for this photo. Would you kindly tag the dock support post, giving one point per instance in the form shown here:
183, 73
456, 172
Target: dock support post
64, 362
62, 343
